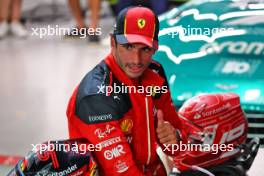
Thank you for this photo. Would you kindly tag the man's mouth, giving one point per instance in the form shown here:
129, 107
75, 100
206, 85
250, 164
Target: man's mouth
135, 68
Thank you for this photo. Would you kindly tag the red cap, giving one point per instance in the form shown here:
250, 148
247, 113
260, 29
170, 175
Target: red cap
137, 25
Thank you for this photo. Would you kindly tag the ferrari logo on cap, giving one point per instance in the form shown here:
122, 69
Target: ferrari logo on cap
141, 23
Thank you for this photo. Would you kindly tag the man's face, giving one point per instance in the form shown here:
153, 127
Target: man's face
132, 58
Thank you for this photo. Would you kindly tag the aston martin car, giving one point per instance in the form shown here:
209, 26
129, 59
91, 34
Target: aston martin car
212, 46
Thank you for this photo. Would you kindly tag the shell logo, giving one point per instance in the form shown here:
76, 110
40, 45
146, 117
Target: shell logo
126, 125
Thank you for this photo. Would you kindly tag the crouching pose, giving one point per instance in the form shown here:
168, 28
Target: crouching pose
216, 129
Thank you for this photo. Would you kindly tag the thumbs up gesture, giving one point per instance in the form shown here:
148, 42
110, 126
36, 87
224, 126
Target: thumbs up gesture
165, 131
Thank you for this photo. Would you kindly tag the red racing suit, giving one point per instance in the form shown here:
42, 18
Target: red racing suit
122, 120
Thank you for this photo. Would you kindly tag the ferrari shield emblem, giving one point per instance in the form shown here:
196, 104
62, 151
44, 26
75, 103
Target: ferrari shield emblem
141, 23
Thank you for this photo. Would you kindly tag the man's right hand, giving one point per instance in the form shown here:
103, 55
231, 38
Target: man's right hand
165, 131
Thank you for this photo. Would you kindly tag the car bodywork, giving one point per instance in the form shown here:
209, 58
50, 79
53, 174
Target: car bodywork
214, 46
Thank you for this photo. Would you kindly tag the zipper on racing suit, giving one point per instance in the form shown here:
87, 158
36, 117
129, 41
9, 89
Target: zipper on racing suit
148, 130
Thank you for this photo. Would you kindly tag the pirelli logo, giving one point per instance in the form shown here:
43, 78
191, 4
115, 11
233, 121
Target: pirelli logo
110, 142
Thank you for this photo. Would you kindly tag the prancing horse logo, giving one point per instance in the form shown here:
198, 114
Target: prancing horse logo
141, 23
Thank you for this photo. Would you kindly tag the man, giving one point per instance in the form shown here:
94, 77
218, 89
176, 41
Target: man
129, 122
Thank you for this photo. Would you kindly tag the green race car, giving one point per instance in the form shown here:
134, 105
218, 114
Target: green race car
213, 46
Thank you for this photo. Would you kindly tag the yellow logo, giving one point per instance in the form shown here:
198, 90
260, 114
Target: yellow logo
153, 90
23, 165
126, 125
141, 23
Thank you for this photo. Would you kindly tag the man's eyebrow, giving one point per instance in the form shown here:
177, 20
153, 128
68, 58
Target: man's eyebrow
126, 44
131, 44
147, 47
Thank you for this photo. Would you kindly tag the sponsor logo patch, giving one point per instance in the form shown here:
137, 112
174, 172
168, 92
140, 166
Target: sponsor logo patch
102, 133
121, 166
129, 139
65, 172
110, 142
100, 118
126, 125
114, 153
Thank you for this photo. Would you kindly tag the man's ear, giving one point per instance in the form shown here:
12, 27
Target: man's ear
113, 43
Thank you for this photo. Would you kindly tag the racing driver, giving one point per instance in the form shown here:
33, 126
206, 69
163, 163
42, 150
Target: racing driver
129, 121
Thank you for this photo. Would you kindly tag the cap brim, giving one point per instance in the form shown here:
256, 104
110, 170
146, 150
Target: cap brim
135, 38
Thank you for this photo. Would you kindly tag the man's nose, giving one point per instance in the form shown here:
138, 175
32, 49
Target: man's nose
136, 56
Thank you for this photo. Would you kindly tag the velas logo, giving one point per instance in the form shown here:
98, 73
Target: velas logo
141, 23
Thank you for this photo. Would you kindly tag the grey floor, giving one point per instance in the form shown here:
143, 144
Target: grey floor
37, 77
